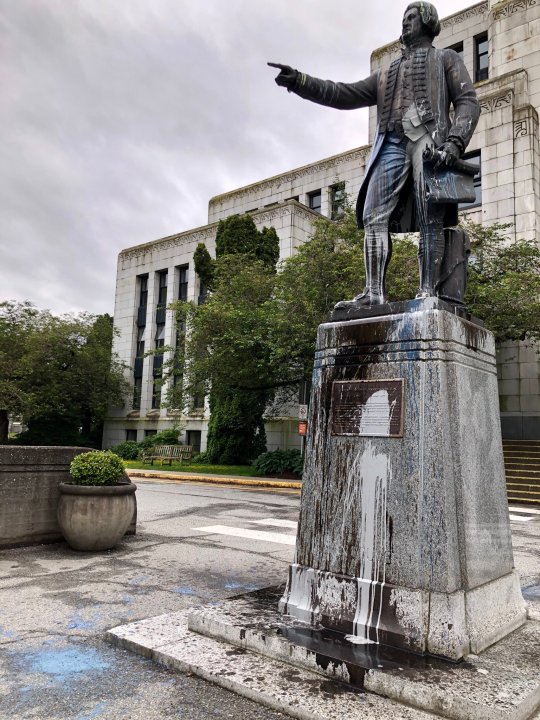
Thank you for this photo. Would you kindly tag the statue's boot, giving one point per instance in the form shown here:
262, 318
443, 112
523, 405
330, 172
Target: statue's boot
430, 257
377, 252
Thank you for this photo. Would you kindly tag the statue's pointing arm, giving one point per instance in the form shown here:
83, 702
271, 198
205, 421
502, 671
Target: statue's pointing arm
343, 96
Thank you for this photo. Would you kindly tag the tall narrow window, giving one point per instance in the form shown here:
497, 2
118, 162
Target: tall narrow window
139, 354
137, 392
337, 201
314, 201
131, 435
474, 159
161, 308
183, 282
481, 64
143, 300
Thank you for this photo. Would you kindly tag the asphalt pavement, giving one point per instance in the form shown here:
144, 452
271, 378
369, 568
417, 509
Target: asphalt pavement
196, 544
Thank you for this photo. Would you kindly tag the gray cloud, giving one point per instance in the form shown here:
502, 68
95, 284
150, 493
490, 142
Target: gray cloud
119, 120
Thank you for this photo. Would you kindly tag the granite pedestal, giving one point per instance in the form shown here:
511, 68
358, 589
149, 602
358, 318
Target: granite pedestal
404, 535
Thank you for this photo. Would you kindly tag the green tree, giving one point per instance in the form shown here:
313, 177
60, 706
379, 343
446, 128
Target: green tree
58, 373
503, 286
229, 333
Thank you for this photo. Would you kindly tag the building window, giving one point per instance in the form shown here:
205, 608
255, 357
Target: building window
474, 159
143, 300
458, 47
139, 354
193, 437
161, 308
183, 282
131, 435
156, 396
314, 201
337, 201
149, 433
197, 403
158, 357
137, 392
203, 292
481, 64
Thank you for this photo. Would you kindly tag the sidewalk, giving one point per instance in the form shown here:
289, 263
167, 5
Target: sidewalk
178, 476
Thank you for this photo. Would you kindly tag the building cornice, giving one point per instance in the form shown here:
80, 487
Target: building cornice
509, 7
275, 183
264, 216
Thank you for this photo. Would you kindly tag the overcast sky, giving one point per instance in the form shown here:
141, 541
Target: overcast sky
119, 119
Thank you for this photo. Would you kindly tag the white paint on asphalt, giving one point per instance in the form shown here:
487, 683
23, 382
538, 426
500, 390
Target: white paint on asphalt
276, 522
251, 534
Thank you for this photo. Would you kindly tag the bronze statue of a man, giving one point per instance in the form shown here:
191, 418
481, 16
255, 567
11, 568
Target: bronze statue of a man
413, 98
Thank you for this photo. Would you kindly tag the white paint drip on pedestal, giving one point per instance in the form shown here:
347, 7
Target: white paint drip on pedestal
372, 470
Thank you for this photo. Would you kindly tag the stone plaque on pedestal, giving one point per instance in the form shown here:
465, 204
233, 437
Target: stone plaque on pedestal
404, 535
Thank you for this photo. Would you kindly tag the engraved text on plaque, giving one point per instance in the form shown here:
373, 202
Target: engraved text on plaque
367, 407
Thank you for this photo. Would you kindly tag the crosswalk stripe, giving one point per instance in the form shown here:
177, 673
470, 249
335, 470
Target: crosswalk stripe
518, 518
282, 539
526, 511
275, 522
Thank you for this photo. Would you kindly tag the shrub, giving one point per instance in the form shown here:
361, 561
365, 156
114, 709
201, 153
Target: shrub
279, 461
97, 467
165, 437
201, 459
128, 450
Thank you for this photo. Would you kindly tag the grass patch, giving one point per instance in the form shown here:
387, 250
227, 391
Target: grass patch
238, 470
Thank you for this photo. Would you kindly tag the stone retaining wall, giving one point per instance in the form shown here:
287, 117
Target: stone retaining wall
29, 478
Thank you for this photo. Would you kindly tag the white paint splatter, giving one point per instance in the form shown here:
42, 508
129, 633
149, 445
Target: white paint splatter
372, 470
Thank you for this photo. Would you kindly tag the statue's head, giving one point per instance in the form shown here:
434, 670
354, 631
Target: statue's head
420, 18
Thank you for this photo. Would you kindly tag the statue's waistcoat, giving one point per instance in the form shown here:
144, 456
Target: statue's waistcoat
419, 91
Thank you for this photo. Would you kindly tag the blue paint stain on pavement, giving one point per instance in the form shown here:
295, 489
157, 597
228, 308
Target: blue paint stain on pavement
62, 663
96, 712
239, 586
4, 632
78, 623
531, 592
184, 590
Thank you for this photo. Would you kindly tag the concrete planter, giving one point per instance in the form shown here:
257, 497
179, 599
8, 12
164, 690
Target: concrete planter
95, 517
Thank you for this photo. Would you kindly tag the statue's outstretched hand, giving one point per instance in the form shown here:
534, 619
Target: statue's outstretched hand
287, 75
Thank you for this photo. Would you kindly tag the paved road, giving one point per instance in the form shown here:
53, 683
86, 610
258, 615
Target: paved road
196, 543
55, 604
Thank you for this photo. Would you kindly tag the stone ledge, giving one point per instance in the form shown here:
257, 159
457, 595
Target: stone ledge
258, 661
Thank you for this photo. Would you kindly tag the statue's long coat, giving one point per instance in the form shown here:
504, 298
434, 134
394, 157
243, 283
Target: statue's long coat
440, 79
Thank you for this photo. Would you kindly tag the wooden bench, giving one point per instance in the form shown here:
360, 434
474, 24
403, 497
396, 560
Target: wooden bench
168, 454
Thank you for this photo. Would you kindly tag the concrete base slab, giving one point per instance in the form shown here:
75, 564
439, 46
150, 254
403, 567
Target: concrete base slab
243, 645
298, 693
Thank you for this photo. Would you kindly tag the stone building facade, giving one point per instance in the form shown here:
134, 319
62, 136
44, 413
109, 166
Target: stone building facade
500, 47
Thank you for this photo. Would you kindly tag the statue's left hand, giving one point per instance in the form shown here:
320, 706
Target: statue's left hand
449, 153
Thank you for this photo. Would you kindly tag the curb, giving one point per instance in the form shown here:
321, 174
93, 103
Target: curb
216, 479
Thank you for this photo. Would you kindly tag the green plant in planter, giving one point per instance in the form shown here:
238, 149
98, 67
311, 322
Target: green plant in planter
97, 467
96, 508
